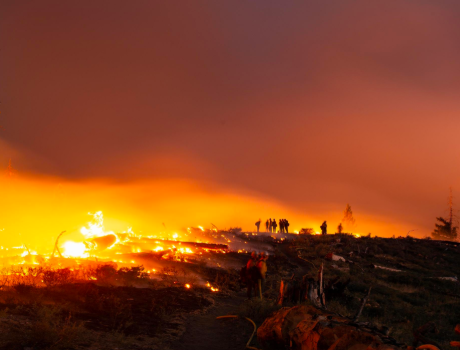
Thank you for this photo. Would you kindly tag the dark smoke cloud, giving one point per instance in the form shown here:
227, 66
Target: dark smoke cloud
315, 104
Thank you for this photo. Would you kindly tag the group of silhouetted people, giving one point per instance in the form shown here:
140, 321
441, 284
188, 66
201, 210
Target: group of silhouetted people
271, 225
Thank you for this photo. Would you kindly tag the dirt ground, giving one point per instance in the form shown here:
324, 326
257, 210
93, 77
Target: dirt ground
204, 331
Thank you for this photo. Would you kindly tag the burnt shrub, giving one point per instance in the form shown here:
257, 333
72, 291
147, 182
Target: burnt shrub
169, 276
128, 276
235, 230
57, 277
105, 274
23, 288
103, 302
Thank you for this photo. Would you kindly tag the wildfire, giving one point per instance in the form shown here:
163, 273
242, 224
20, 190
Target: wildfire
95, 238
74, 250
106, 245
96, 229
100, 247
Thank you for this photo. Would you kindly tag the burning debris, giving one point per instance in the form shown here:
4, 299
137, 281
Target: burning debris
106, 250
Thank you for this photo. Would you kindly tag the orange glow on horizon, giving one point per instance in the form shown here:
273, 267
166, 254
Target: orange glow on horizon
36, 209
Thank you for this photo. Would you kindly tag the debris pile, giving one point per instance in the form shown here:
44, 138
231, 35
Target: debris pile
308, 328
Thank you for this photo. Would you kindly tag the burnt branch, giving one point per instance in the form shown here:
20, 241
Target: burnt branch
363, 303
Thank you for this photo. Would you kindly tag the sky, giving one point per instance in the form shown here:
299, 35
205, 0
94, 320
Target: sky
306, 105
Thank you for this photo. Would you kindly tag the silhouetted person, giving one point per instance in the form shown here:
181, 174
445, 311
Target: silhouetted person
258, 225
262, 267
252, 274
324, 228
340, 228
252, 261
275, 225
286, 225
270, 225
281, 223
267, 225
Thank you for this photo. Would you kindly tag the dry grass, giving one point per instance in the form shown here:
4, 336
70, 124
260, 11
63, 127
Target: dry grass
45, 328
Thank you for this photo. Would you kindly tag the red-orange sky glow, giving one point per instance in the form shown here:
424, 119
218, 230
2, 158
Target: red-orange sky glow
187, 113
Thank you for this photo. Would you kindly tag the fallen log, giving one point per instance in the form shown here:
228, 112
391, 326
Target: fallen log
102, 243
147, 242
211, 246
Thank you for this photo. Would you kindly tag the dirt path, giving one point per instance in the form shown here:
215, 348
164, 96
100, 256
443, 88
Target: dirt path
205, 332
